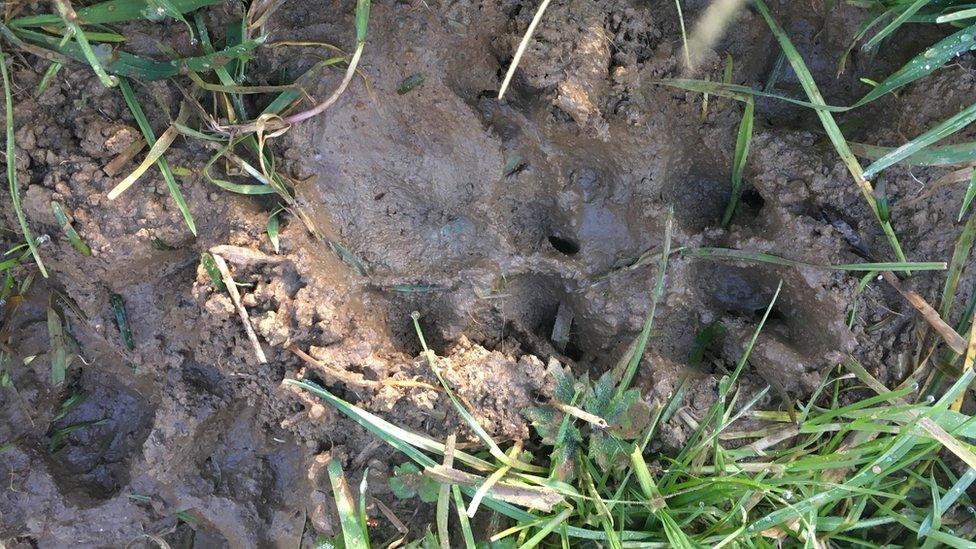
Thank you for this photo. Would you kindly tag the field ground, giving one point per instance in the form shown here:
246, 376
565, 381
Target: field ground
533, 234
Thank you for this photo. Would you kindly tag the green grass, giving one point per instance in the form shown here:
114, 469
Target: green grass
856, 464
919, 151
11, 153
122, 321
352, 520
841, 475
68, 229
859, 471
147, 132
742, 143
58, 353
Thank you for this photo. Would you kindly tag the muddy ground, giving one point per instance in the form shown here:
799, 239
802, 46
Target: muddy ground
485, 216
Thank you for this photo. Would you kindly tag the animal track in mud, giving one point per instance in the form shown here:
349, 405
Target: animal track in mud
541, 209
487, 216
90, 449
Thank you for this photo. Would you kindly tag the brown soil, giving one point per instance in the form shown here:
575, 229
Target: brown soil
493, 214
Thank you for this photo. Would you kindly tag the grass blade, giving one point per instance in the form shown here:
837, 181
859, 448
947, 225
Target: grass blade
73, 237
222, 73
930, 156
740, 92
520, 51
49, 74
12, 165
492, 479
924, 63
132, 66
745, 255
830, 126
273, 229
443, 503
970, 193
174, 190
155, 153
122, 321
547, 529
362, 21
112, 11
684, 35
59, 356
352, 531
949, 126
960, 254
967, 369
956, 16
898, 21
742, 142
493, 447
71, 22
213, 271
466, 533
401, 439
645, 335
950, 497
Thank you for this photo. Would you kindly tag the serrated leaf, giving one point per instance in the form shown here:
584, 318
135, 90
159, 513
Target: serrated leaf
566, 383
408, 482
564, 456
598, 397
608, 451
546, 422
632, 420
428, 490
600, 401
404, 481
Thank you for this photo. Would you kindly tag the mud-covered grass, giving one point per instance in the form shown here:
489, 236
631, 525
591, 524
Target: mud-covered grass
846, 461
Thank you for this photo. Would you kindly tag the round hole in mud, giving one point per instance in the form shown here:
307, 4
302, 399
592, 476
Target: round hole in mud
752, 198
566, 246
573, 349
90, 448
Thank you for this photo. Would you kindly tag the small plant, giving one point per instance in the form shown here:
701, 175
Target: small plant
409, 482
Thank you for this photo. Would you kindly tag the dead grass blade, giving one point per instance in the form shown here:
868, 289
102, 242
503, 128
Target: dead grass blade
532, 497
116, 164
235, 296
520, 51
933, 429
155, 153
955, 341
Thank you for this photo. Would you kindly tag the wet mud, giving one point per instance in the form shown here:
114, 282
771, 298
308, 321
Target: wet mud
486, 216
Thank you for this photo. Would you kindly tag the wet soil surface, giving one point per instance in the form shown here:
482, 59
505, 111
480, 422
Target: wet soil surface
486, 216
